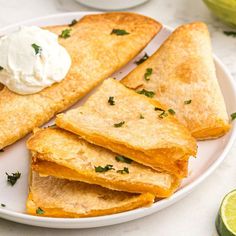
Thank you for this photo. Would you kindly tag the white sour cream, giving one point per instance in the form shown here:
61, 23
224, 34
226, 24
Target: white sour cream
31, 59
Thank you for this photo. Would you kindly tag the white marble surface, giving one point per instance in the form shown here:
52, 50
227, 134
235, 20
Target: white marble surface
192, 216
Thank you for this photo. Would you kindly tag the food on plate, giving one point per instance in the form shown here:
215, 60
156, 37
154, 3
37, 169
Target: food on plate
132, 125
49, 196
32, 59
181, 74
61, 154
98, 45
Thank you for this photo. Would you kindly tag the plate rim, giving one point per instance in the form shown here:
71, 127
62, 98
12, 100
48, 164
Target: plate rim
88, 222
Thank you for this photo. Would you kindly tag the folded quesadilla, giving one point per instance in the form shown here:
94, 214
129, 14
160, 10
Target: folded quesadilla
62, 154
181, 74
132, 125
49, 196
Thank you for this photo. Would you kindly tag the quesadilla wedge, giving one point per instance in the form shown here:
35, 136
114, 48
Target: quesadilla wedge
96, 53
49, 196
132, 125
183, 77
61, 154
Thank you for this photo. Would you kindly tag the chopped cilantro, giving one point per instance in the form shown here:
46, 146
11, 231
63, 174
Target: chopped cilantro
158, 109
36, 48
3, 205
171, 111
147, 93
119, 32
187, 101
111, 101
124, 159
148, 74
141, 116
65, 33
103, 169
12, 179
73, 22
233, 116
163, 114
141, 60
1, 68
117, 125
39, 211
124, 171
230, 33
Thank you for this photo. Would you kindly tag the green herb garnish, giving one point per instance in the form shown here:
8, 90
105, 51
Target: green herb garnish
39, 211
119, 32
147, 93
158, 109
141, 116
124, 171
12, 179
163, 114
36, 48
124, 159
73, 22
148, 74
65, 33
3, 205
171, 111
119, 124
1, 68
111, 101
141, 60
187, 101
230, 33
103, 169
233, 116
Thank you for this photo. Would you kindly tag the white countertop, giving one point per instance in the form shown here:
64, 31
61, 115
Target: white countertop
195, 214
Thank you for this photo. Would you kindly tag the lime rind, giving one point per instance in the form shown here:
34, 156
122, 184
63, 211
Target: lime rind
226, 219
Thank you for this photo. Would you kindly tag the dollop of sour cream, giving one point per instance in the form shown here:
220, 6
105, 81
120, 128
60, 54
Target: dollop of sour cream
31, 59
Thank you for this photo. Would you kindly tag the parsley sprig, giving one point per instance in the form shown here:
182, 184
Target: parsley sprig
164, 113
233, 116
111, 101
124, 171
148, 74
230, 33
120, 124
65, 33
124, 159
1, 68
12, 179
73, 22
119, 32
36, 48
103, 169
147, 93
142, 59
141, 117
39, 211
187, 102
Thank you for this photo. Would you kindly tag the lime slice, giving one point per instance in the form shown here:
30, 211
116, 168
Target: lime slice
226, 219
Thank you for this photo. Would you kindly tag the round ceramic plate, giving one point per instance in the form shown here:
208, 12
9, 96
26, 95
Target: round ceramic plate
16, 157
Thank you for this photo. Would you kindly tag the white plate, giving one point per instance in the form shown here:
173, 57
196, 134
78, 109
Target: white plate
111, 4
16, 157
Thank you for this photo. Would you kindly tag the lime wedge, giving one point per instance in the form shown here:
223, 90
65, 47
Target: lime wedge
226, 219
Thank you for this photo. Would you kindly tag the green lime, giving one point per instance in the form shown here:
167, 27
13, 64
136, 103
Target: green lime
226, 219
